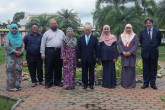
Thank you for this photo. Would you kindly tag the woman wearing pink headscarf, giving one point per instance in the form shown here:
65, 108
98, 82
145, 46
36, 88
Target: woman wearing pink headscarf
108, 54
128, 44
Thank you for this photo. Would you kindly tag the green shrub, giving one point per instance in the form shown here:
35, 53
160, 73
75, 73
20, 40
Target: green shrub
77, 36
99, 70
139, 68
78, 74
162, 98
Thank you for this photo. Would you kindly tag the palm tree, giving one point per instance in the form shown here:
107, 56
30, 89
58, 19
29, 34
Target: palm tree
42, 21
161, 14
111, 2
67, 18
117, 18
146, 7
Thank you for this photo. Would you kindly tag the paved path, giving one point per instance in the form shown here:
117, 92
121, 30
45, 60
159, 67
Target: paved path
56, 98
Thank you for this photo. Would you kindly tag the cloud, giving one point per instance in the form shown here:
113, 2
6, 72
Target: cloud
83, 7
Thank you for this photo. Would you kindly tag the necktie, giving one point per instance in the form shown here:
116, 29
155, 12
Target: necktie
149, 35
87, 40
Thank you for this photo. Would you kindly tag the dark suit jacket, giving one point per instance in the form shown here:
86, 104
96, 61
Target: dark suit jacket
90, 52
150, 49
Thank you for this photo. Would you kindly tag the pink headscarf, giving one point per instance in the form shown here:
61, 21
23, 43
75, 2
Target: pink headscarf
108, 39
127, 38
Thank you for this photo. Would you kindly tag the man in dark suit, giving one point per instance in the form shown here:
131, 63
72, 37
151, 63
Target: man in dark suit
87, 53
150, 39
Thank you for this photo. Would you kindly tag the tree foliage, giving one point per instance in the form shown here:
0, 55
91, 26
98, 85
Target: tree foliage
42, 21
17, 16
161, 14
117, 14
3, 26
117, 18
67, 18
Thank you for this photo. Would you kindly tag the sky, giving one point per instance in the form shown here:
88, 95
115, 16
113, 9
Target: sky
84, 7
9, 7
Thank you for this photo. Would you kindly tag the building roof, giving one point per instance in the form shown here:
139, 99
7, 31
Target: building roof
162, 30
7, 30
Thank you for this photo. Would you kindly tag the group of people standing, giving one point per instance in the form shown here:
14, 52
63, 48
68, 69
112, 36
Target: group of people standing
58, 50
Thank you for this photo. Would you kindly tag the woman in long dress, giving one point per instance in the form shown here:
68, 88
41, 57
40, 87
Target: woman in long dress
128, 44
68, 54
14, 64
108, 54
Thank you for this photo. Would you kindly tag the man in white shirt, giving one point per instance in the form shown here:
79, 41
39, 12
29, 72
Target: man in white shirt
50, 52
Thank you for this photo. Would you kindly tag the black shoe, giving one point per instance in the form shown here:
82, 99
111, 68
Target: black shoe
91, 87
60, 85
154, 87
144, 86
84, 86
19, 88
47, 86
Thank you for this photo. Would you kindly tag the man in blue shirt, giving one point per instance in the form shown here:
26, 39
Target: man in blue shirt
33, 56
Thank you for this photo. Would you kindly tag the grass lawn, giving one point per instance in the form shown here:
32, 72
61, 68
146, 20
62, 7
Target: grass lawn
6, 104
2, 55
162, 49
162, 57
161, 53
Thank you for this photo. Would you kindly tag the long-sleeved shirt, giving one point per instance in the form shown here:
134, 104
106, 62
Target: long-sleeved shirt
51, 39
32, 43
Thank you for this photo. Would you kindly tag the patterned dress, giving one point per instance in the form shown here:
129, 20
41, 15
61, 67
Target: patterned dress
69, 68
14, 65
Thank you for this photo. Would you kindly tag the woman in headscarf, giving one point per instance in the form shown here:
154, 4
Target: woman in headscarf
14, 52
68, 54
128, 44
108, 54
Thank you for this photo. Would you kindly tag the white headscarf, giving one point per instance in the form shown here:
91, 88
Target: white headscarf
127, 38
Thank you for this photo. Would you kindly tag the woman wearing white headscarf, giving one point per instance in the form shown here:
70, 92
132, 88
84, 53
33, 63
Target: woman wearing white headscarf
128, 44
68, 54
